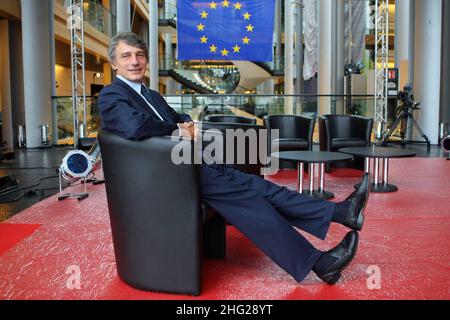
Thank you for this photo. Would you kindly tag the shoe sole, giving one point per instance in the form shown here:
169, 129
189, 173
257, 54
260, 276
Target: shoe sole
360, 221
335, 279
337, 276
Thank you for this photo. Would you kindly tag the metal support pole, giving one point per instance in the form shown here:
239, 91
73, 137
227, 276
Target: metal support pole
381, 64
78, 67
322, 170
60, 181
385, 171
367, 164
311, 177
153, 44
375, 171
300, 177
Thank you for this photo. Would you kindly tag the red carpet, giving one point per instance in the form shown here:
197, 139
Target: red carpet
405, 237
10, 234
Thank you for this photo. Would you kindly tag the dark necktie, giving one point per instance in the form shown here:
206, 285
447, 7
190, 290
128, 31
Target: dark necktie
147, 96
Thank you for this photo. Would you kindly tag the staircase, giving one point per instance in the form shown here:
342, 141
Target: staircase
192, 79
204, 76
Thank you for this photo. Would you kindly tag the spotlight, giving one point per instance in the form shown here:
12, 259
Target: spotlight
353, 68
78, 164
445, 145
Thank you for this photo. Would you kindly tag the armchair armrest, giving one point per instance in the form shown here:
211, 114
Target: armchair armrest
361, 127
324, 134
154, 208
307, 134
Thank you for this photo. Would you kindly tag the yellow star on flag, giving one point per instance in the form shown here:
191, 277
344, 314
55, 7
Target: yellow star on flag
213, 48
245, 40
213, 5
238, 6
225, 4
224, 52
247, 16
236, 48
203, 39
249, 28
204, 14
200, 27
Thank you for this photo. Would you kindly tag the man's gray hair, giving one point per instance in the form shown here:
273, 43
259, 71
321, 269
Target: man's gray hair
131, 39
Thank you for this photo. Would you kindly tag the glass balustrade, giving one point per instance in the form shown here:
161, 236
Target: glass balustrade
168, 11
198, 106
64, 118
260, 105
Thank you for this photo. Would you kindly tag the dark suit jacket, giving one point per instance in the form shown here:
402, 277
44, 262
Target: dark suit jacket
124, 112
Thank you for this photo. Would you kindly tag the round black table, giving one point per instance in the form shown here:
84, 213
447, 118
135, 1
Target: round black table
379, 156
313, 158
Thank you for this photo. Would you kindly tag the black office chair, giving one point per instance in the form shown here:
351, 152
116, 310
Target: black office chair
339, 131
295, 133
230, 119
157, 220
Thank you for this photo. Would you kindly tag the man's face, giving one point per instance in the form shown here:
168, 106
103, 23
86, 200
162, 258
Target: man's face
130, 62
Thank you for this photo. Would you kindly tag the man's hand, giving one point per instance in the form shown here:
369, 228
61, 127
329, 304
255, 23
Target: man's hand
188, 130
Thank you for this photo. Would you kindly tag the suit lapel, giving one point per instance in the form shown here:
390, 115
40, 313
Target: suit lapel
162, 111
141, 101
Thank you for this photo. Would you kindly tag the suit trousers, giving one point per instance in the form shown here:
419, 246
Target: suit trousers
266, 213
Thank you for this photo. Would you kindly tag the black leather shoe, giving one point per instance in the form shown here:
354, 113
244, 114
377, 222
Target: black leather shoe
358, 200
344, 252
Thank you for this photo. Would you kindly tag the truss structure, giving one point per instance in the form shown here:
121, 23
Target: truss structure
76, 26
381, 65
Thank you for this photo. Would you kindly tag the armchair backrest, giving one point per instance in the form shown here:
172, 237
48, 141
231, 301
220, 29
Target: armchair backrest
291, 126
154, 208
347, 126
230, 118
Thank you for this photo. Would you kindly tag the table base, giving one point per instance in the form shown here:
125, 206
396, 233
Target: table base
380, 187
319, 194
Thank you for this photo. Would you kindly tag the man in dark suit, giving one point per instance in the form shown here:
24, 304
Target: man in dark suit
261, 210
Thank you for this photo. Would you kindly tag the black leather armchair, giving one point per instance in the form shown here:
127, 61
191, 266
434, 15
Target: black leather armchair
339, 131
156, 215
252, 163
230, 118
295, 133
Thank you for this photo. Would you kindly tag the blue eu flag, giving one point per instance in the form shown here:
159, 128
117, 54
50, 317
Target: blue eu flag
225, 30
